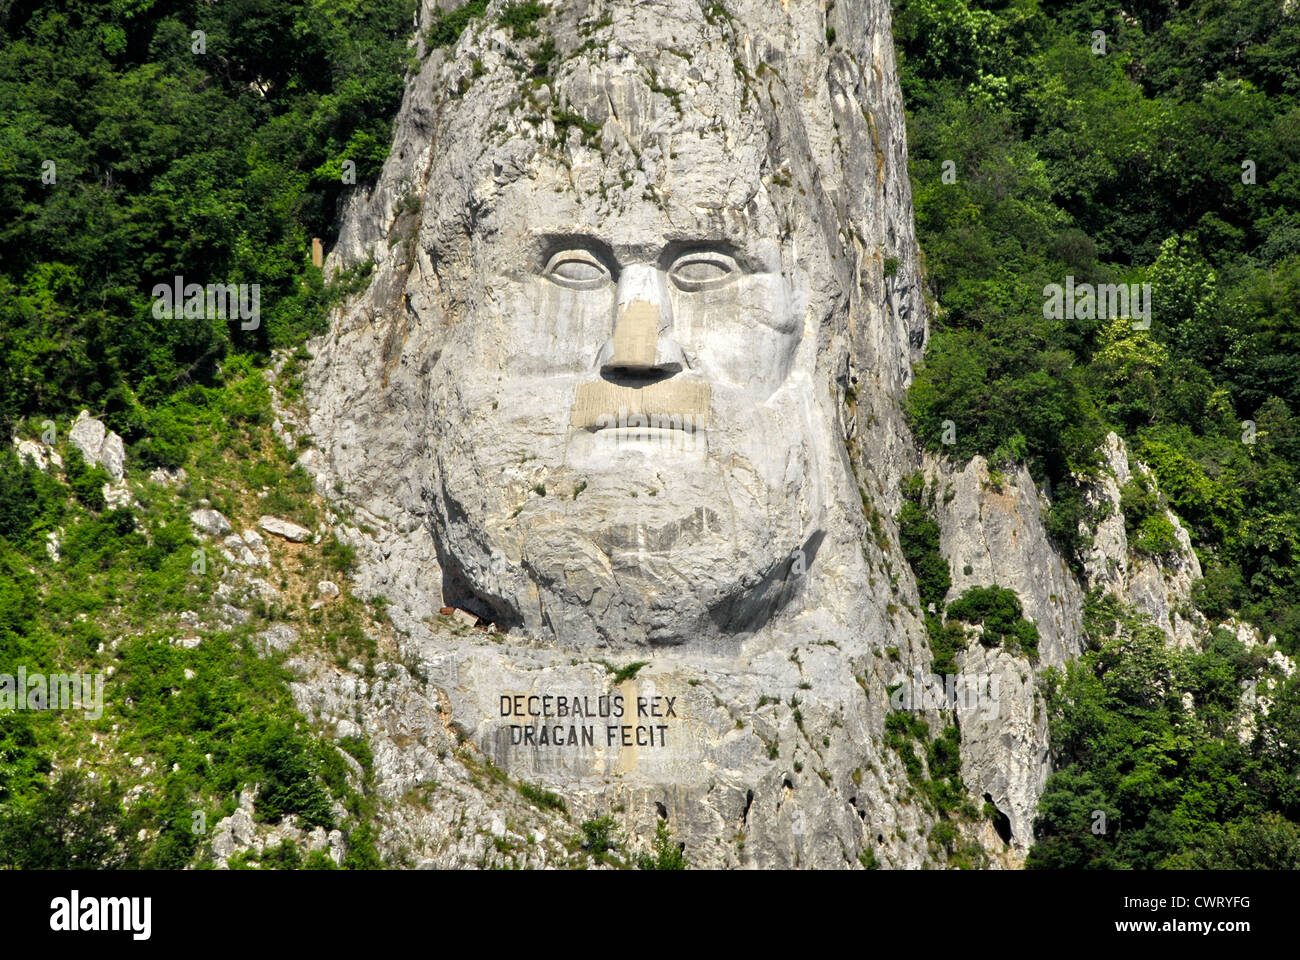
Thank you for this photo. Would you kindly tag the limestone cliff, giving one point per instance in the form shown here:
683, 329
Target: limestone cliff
655, 202
670, 121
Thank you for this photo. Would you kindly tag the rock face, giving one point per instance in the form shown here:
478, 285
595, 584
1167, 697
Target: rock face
1160, 587
629, 360
38, 454
211, 522
992, 534
594, 394
248, 550
284, 528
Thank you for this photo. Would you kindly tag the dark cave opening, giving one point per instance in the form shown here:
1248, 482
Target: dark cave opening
1001, 824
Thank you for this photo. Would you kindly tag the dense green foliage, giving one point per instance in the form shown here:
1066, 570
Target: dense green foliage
449, 25
1143, 781
218, 166
1126, 166
1147, 525
668, 854
207, 720
217, 158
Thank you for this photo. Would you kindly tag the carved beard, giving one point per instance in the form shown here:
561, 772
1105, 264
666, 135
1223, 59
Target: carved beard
713, 552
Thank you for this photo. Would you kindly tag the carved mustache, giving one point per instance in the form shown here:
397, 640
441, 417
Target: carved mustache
671, 404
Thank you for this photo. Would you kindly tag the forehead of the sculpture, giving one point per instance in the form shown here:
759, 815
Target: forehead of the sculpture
633, 142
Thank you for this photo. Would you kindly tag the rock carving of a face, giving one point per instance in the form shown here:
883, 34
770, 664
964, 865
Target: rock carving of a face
621, 417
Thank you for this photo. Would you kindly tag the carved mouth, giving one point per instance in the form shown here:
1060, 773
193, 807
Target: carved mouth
669, 405
647, 427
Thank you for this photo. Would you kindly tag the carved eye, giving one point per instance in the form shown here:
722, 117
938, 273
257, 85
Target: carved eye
702, 271
577, 269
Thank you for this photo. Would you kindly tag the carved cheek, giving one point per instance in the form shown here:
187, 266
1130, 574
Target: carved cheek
745, 335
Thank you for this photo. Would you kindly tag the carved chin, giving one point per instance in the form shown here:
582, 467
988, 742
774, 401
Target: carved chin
586, 581
645, 551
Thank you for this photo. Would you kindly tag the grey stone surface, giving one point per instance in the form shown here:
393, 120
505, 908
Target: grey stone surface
53, 542
714, 255
166, 477
98, 445
278, 637
39, 454
1160, 587
240, 551
992, 533
285, 529
211, 522
996, 531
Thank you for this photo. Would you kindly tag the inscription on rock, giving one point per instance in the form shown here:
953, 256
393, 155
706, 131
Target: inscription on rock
564, 720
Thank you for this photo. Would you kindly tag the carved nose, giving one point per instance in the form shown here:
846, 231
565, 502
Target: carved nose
642, 340
636, 336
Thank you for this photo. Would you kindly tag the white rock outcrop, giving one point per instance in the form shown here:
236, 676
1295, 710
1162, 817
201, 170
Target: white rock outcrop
210, 522
992, 534
1160, 587
40, 455
98, 445
284, 529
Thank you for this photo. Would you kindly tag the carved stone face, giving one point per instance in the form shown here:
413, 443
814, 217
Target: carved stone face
622, 414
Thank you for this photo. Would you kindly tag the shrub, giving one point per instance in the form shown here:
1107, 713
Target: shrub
598, 835
342, 557
1146, 523
288, 776
521, 18
87, 482
668, 854
945, 640
28, 497
998, 611
1220, 592
362, 853
542, 798
73, 824
918, 536
1155, 536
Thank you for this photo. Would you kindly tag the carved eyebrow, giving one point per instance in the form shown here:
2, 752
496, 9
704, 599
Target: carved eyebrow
549, 243
676, 249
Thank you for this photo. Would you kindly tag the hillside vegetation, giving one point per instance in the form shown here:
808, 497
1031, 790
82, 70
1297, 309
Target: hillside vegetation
1172, 158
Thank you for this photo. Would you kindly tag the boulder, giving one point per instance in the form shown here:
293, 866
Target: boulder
285, 529
211, 522
98, 445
